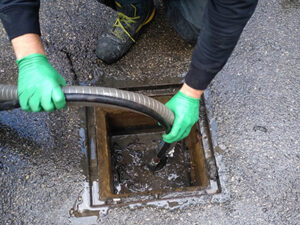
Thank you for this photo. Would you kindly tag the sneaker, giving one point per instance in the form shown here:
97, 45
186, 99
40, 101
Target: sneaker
131, 17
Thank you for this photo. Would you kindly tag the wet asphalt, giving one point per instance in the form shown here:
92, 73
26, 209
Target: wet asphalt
253, 107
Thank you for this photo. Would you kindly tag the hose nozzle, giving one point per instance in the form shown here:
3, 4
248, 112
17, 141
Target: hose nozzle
160, 160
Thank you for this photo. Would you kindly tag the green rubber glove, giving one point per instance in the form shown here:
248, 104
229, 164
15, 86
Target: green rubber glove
39, 85
186, 110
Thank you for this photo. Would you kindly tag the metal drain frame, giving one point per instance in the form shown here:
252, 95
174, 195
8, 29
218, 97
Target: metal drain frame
89, 204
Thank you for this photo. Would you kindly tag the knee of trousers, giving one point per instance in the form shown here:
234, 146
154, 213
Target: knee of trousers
186, 17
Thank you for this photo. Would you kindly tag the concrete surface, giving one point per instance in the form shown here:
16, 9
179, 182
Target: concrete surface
253, 106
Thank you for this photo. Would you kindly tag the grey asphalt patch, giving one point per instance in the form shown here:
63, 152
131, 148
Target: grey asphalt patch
41, 166
253, 106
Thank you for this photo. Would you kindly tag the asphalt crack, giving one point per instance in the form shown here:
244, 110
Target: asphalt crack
70, 62
68, 55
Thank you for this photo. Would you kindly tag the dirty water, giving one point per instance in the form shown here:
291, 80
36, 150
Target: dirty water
130, 155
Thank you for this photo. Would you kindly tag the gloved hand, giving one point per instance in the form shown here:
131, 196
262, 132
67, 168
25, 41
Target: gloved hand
186, 110
39, 85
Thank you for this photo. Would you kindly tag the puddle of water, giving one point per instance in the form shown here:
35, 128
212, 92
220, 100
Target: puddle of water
130, 155
27, 125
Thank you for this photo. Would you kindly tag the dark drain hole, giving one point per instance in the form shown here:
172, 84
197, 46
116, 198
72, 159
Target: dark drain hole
130, 155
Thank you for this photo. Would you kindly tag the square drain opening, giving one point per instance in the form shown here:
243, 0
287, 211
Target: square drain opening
121, 144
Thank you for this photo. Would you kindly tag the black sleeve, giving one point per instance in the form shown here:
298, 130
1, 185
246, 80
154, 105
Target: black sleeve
20, 17
224, 21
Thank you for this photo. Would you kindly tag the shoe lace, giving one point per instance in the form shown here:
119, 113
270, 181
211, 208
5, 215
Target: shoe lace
122, 20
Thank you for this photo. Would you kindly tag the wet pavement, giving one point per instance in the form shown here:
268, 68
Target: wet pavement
253, 107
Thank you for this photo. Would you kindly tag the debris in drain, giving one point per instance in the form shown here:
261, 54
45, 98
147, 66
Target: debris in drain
130, 155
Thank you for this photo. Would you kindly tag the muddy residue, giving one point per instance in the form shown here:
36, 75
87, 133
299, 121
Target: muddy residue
132, 153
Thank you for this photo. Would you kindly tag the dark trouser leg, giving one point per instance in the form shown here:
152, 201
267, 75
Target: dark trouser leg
109, 3
186, 16
141, 6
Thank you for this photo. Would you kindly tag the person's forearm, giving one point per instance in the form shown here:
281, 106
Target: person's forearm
191, 92
20, 17
224, 21
27, 44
